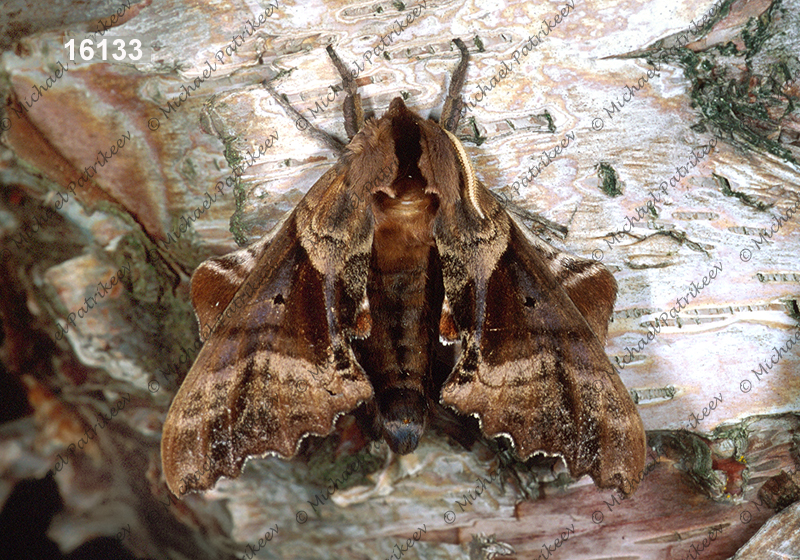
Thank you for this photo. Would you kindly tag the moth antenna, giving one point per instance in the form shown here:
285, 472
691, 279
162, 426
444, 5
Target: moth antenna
301, 122
469, 173
353, 112
451, 112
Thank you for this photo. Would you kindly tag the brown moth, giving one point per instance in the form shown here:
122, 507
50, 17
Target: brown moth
394, 251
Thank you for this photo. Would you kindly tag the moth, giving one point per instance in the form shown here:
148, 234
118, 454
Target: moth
396, 251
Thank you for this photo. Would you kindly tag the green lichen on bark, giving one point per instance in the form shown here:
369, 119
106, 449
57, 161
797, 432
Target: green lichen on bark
742, 95
345, 471
234, 158
609, 180
692, 455
747, 200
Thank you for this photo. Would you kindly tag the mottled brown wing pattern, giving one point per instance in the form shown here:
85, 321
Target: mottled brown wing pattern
532, 367
277, 366
589, 284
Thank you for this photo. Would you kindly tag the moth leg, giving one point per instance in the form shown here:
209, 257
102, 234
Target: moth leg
353, 112
301, 122
451, 112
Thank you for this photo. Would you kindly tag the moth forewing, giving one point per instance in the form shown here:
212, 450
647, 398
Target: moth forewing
537, 371
241, 397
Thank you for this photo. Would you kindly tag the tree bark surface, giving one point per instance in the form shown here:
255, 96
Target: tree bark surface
692, 106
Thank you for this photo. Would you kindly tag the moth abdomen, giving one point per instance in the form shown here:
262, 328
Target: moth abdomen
404, 291
404, 413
